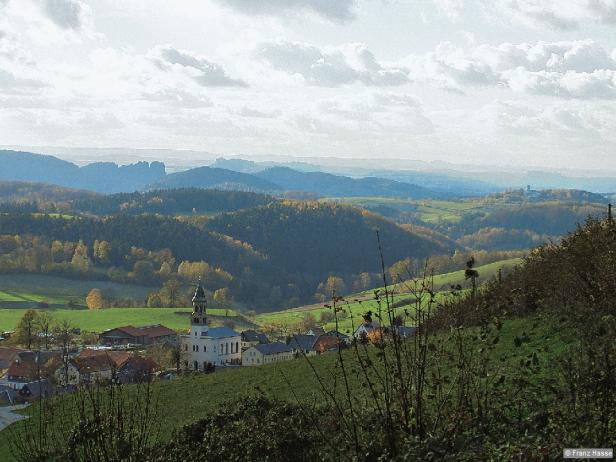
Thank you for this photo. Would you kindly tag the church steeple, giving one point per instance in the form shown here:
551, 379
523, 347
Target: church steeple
199, 304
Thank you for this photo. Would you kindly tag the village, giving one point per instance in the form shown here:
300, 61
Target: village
128, 354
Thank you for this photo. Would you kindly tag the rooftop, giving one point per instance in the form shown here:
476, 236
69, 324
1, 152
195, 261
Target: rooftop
153, 331
252, 335
221, 332
273, 348
302, 342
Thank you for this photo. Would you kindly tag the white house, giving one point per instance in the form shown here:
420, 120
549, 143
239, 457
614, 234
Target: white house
67, 374
266, 353
207, 347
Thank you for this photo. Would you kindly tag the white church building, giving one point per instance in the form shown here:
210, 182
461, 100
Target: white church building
207, 347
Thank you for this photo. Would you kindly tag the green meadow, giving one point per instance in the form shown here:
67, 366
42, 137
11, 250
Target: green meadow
28, 290
356, 305
107, 318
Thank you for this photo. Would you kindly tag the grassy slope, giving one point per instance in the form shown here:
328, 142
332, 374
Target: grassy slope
35, 288
292, 379
362, 302
430, 211
447, 211
99, 320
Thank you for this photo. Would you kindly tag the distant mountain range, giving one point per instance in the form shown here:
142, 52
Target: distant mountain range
108, 177
215, 178
105, 177
284, 177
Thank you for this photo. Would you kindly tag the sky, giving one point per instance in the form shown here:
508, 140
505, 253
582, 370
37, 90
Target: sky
484, 82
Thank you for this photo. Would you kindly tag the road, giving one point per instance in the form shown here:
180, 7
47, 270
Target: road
7, 416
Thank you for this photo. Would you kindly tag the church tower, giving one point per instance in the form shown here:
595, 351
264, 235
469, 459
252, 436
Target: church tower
199, 303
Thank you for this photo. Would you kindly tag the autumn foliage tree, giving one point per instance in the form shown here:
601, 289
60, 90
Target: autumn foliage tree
94, 300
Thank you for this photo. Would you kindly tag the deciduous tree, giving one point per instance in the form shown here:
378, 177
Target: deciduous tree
94, 300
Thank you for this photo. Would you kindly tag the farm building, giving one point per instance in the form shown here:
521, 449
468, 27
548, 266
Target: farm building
146, 335
252, 337
266, 353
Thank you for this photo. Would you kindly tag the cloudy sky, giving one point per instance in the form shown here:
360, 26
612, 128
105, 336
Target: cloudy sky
500, 82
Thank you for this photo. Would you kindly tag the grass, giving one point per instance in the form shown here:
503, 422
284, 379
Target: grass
353, 309
99, 320
427, 210
27, 290
360, 303
295, 379
6, 296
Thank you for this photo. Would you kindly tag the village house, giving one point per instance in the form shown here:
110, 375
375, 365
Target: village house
207, 347
27, 367
104, 365
327, 343
35, 390
7, 356
136, 369
117, 357
266, 353
145, 335
365, 329
252, 337
338, 334
66, 374
94, 369
316, 331
303, 344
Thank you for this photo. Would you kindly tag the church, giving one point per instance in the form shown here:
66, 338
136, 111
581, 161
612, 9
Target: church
207, 347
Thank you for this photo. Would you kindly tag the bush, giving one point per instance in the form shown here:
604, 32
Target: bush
254, 429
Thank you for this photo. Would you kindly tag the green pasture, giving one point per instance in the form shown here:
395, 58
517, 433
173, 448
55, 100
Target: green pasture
99, 320
356, 305
27, 290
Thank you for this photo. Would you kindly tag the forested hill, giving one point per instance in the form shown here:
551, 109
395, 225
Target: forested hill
270, 256
315, 237
326, 184
219, 178
170, 202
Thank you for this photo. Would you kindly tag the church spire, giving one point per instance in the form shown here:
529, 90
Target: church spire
199, 304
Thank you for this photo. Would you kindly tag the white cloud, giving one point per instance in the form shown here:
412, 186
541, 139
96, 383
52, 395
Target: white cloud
331, 67
557, 14
18, 71
453, 9
259, 114
201, 70
337, 10
573, 69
